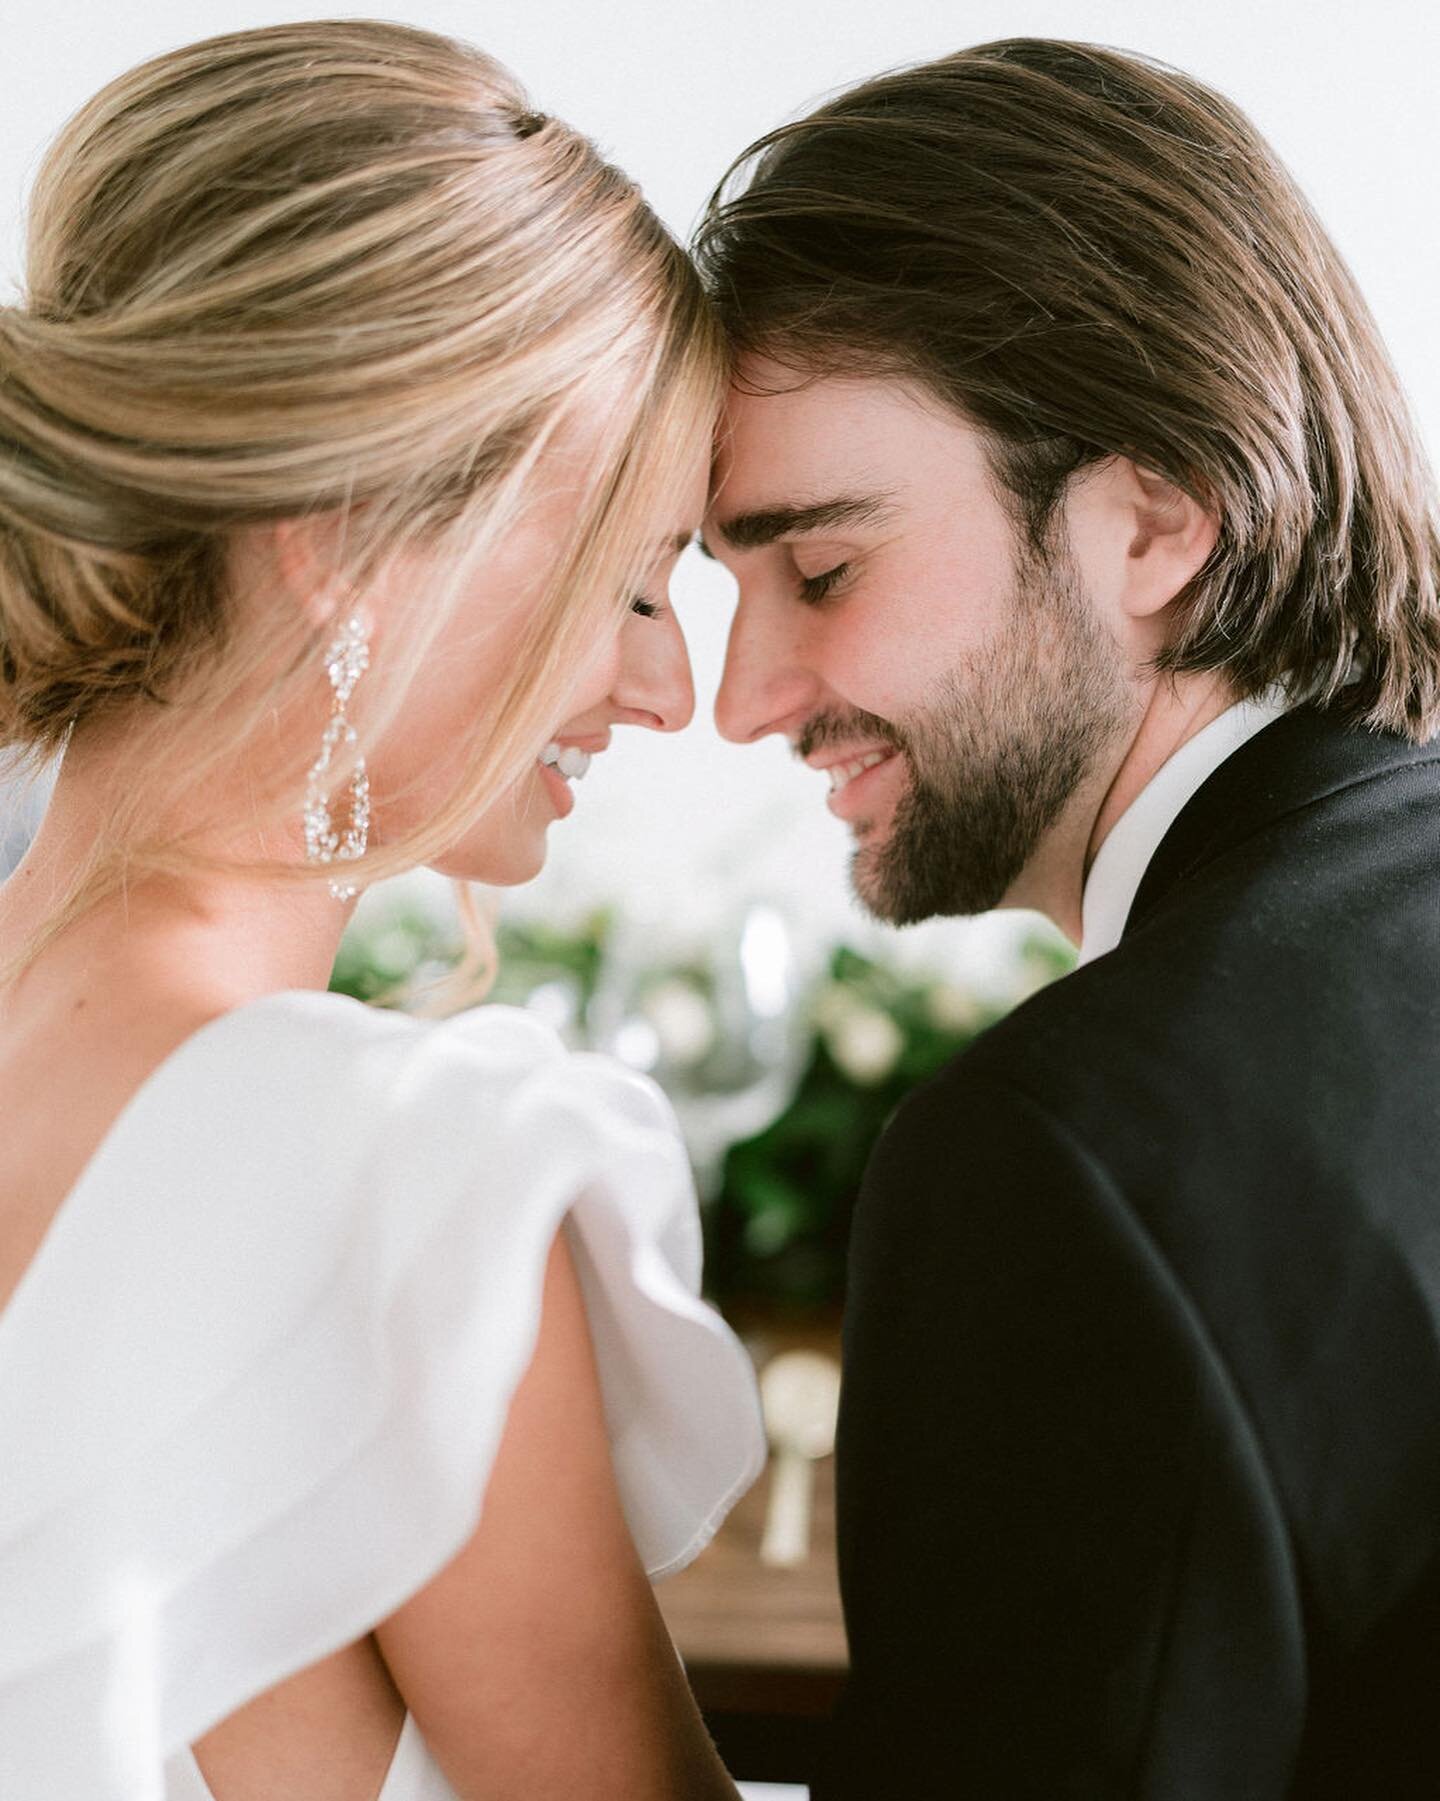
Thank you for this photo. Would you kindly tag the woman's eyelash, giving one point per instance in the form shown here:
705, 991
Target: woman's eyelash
647, 609
814, 588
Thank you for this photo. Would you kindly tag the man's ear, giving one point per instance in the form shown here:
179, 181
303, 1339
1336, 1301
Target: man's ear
1172, 538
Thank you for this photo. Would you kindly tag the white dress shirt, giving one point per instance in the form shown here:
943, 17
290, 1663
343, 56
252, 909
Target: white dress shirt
1121, 862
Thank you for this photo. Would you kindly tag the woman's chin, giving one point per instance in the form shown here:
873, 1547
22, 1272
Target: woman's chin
507, 865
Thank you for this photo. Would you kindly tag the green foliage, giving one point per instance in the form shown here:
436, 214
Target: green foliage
776, 1226
373, 959
534, 954
777, 1229
411, 941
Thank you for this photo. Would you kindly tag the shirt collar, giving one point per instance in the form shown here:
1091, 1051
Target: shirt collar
1122, 859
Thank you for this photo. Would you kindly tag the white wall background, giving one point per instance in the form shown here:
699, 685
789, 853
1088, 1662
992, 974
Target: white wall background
680, 828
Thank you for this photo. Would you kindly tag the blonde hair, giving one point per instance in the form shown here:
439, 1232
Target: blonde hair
337, 267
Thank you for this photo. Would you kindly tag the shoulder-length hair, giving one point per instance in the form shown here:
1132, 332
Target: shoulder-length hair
1088, 254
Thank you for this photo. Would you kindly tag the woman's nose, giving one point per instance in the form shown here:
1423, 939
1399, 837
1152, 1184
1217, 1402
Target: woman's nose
654, 684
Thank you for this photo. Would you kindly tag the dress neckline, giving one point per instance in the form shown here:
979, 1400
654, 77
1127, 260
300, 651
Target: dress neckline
137, 1103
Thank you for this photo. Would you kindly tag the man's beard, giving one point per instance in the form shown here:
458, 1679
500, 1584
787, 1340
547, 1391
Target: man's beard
995, 757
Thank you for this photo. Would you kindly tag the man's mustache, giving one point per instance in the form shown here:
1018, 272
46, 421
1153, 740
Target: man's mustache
845, 728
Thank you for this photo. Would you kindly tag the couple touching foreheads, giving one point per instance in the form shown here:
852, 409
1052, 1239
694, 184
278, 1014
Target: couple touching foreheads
353, 1377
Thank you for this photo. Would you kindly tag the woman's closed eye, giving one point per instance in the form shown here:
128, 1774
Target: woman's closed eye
647, 609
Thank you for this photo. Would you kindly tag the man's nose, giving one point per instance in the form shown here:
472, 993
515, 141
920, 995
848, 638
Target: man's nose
764, 684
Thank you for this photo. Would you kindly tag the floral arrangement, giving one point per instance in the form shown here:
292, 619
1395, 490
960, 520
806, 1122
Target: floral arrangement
782, 1078
777, 1230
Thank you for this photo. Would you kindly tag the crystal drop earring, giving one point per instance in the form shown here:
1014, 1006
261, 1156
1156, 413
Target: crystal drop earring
346, 660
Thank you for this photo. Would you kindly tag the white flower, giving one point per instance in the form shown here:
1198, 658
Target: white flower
832, 1004
637, 1043
682, 1020
866, 1045
953, 1008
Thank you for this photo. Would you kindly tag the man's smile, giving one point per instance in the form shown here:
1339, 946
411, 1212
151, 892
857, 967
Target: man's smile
857, 782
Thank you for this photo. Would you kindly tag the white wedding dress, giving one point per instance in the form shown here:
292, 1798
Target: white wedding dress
253, 1382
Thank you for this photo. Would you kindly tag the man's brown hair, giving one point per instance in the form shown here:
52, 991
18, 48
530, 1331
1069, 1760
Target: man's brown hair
1087, 254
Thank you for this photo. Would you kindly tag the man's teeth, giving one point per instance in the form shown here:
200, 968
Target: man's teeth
571, 763
842, 773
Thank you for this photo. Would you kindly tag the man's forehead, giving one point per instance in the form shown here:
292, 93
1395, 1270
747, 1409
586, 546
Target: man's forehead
790, 459
801, 409
833, 439
818, 427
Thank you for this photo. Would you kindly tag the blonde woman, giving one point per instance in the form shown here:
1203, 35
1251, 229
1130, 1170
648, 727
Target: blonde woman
352, 1371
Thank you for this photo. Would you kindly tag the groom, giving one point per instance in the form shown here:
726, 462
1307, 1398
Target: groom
1084, 542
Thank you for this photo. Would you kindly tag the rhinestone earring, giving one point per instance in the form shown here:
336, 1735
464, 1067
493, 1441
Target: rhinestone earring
346, 661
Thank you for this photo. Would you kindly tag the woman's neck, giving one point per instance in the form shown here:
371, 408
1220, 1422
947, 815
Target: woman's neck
231, 936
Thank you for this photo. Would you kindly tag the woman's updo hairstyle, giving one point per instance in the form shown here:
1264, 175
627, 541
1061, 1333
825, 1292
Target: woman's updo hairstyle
337, 267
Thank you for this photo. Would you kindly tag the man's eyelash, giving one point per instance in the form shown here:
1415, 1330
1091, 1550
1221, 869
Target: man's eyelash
814, 588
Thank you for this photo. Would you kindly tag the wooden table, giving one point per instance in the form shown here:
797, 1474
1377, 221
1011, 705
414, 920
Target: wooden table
764, 1647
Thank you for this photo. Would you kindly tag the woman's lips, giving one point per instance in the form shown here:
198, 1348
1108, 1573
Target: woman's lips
557, 788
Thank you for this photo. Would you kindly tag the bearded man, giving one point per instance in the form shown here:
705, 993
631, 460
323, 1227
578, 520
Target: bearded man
1083, 539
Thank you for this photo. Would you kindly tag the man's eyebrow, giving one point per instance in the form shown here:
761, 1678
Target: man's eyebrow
764, 525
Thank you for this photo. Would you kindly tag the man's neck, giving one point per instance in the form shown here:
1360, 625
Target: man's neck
1175, 710
1179, 708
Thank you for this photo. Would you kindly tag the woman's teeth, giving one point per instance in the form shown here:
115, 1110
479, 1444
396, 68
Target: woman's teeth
571, 763
843, 773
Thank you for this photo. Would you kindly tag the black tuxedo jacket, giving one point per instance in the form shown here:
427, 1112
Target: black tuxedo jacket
1139, 1457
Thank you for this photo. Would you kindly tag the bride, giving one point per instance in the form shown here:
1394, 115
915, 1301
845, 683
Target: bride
353, 1378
